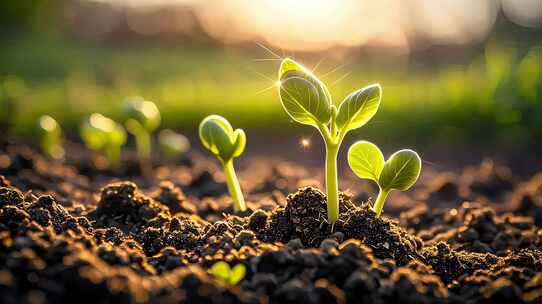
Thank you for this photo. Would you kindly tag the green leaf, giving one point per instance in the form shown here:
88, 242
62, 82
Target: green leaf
304, 97
117, 136
221, 270
172, 143
95, 131
238, 272
400, 171
218, 136
366, 160
302, 102
240, 140
143, 111
359, 107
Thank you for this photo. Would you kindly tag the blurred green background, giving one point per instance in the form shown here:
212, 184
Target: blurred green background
476, 88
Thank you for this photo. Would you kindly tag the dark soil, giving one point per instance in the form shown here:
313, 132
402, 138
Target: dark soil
71, 232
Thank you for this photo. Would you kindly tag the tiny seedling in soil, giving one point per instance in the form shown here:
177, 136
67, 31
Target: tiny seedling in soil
218, 136
229, 275
101, 133
307, 100
399, 172
50, 137
172, 143
143, 119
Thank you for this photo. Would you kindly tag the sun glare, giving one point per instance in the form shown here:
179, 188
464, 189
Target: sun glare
313, 25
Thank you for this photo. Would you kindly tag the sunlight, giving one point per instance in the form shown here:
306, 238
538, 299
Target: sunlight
315, 25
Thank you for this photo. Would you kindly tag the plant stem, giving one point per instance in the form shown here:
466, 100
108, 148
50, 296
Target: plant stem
113, 156
143, 142
332, 188
379, 204
234, 188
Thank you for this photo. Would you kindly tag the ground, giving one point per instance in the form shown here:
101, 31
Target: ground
70, 231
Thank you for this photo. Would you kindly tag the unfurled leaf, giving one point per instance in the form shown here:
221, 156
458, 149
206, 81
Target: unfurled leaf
366, 160
400, 171
237, 274
218, 136
359, 107
302, 102
304, 97
221, 270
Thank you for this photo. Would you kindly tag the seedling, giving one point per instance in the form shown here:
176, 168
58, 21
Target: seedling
50, 137
307, 100
229, 275
104, 134
143, 119
218, 136
399, 172
172, 143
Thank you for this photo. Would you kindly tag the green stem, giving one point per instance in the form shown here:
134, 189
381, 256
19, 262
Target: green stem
113, 156
379, 204
234, 188
332, 188
143, 142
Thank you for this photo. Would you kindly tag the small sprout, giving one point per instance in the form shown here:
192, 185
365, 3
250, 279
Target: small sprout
307, 100
218, 136
143, 119
51, 137
399, 172
231, 276
173, 144
104, 134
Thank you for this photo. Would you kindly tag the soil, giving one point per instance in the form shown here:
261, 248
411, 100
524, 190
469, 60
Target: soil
75, 232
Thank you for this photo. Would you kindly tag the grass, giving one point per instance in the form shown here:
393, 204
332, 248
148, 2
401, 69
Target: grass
493, 98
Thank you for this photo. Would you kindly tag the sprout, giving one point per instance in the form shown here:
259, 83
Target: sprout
399, 172
50, 137
218, 136
306, 99
172, 143
104, 134
143, 119
231, 276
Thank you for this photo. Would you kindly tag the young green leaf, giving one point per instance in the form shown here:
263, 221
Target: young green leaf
172, 143
232, 276
302, 102
102, 133
359, 107
366, 160
400, 171
51, 136
221, 270
218, 136
290, 68
95, 131
303, 96
144, 112
237, 274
